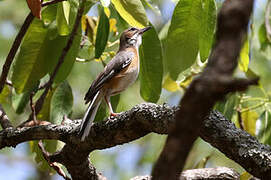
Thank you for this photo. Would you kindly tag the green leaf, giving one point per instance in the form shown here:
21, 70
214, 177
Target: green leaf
28, 67
263, 133
52, 51
151, 66
249, 119
244, 57
102, 34
61, 103
264, 42
227, 107
207, 28
183, 36
62, 18
132, 12
44, 114
19, 101
5, 95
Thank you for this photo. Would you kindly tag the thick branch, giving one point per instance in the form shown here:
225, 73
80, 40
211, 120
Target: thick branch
137, 122
218, 173
212, 85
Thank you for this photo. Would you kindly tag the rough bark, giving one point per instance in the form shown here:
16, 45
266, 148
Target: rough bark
212, 85
136, 123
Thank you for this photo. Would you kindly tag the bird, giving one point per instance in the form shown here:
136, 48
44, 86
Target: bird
119, 73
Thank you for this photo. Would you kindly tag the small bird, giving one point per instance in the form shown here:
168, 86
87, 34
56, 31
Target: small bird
117, 75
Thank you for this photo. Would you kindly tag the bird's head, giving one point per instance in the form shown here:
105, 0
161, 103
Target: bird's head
132, 37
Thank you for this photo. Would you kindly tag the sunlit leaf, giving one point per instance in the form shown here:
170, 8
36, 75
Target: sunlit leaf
170, 85
61, 103
35, 7
245, 176
62, 18
207, 29
102, 34
183, 36
132, 12
244, 57
151, 66
249, 119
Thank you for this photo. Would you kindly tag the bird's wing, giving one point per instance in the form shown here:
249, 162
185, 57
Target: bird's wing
118, 63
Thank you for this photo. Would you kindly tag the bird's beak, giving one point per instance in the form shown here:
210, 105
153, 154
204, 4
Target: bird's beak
141, 31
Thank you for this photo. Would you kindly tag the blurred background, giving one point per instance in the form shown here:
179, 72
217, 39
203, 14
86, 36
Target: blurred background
128, 160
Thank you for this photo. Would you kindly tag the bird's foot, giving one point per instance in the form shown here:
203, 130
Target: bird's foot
114, 114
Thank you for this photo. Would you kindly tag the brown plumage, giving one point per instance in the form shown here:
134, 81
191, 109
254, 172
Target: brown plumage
117, 75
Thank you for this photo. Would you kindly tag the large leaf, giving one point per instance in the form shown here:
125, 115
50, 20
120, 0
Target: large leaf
151, 66
227, 107
44, 114
28, 67
132, 12
264, 42
102, 34
62, 18
183, 36
207, 28
61, 103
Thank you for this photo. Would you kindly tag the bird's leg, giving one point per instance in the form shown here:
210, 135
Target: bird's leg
107, 100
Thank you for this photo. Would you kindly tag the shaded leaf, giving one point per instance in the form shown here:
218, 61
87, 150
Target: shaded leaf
62, 18
151, 66
263, 131
207, 28
35, 7
132, 12
227, 107
44, 114
102, 34
243, 61
28, 67
264, 42
183, 36
61, 103
5, 94
19, 101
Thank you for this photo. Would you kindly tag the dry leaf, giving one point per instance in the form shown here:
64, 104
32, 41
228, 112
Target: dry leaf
35, 7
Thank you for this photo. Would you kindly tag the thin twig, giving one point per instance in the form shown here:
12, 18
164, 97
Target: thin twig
40, 101
32, 106
54, 165
240, 119
51, 2
14, 49
267, 18
4, 121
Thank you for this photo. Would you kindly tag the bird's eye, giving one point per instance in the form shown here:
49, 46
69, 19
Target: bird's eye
132, 29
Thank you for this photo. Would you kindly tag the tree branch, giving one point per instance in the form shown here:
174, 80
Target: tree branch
4, 121
218, 173
136, 123
212, 85
14, 48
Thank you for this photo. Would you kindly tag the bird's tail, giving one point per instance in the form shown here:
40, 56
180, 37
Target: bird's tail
89, 116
